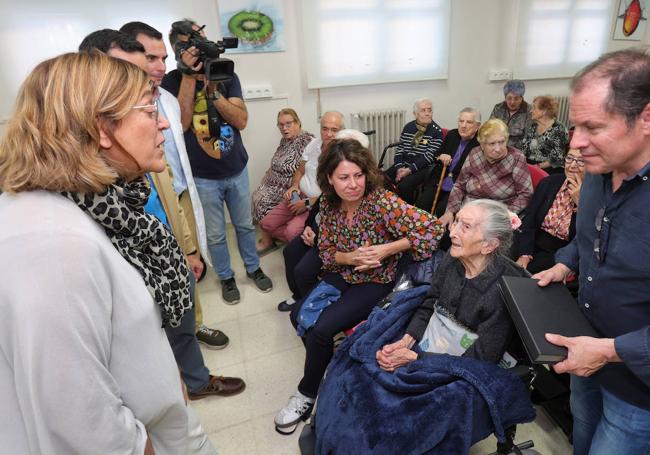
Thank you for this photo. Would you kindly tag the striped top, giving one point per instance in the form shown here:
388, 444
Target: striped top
424, 153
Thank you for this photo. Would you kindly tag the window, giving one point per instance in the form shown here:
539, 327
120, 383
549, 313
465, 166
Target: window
556, 38
351, 42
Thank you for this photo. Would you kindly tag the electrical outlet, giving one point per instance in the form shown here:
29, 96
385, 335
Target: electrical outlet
500, 75
258, 92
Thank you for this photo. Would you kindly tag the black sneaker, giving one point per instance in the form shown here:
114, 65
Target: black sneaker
262, 281
286, 305
211, 338
229, 291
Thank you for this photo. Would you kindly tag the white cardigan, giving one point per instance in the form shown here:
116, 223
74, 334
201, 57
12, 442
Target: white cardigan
173, 113
85, 366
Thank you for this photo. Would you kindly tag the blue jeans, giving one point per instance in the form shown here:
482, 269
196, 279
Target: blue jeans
186, 348
604, 424
235, 193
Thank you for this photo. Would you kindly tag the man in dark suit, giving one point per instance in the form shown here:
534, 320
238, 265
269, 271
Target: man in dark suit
455, 148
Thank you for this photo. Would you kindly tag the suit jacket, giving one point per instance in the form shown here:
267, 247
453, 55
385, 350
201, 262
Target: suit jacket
173, 112
536, 211
448, 147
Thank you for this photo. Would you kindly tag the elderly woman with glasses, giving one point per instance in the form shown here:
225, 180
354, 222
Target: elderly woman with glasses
89, 278
550, 221
272, 208
493, 170
514, 111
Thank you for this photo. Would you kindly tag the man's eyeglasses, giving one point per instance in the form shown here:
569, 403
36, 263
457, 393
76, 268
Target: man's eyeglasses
151, 109
569, 159
598, 245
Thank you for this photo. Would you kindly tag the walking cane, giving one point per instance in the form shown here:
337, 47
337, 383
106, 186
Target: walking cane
435, 199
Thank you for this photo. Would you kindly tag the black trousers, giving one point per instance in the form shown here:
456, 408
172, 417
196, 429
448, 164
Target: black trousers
302, 265
546, 246
409, 185
354, 306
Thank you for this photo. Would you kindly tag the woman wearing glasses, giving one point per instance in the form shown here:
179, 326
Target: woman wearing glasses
89, 278
550, 218
275, 211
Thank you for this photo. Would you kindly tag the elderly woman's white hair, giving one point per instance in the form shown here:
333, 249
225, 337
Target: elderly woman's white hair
354, 134
497, 224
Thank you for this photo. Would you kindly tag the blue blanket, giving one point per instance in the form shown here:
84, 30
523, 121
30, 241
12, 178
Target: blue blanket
440, 404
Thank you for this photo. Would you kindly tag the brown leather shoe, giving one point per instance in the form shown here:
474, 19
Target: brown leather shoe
219, 385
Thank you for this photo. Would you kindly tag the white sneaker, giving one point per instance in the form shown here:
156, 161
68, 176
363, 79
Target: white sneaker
299, 408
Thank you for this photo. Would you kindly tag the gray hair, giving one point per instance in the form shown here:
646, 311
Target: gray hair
354, 134
514, 86
471, 110
496, 225
335, 114
420, 101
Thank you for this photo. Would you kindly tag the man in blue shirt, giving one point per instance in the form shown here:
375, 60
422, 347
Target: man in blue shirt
610, 376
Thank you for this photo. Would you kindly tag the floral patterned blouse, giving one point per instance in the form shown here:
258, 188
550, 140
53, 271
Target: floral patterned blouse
382, 217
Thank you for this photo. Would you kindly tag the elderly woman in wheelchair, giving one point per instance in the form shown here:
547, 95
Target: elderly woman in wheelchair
438, 388
463, 313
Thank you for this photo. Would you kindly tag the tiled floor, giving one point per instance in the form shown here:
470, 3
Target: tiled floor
265, 351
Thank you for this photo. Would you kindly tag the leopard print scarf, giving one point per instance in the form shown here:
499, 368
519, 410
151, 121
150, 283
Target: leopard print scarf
144, 241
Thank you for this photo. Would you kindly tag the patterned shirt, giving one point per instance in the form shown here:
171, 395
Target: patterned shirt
277, 179
551, 145
382, 217
558, 218
507, 180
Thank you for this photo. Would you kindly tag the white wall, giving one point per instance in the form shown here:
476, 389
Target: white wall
482, 38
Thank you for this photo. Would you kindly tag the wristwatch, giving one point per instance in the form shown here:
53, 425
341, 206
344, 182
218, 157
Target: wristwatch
307, 203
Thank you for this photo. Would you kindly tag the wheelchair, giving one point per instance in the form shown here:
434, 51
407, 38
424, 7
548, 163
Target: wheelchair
420, 273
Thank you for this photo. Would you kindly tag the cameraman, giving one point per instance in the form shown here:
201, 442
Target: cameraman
218, 163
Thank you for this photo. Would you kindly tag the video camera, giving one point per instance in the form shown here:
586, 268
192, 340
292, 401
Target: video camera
216, 69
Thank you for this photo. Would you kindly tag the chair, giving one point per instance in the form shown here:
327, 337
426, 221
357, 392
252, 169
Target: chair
382, 158
536, 174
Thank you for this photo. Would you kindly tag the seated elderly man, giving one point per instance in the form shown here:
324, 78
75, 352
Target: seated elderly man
443, 381
455, 148
514, 111
418, 145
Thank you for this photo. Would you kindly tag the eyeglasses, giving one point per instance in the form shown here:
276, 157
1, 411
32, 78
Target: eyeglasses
569, 159
600, 246
286, 124
151, 109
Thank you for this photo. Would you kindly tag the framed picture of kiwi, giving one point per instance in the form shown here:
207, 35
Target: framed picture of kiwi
259, 25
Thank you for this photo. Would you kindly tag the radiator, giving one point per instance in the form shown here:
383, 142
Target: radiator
387, 124
563, 110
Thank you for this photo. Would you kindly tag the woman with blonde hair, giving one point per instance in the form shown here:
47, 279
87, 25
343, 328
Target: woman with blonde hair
89, 278
493, 170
